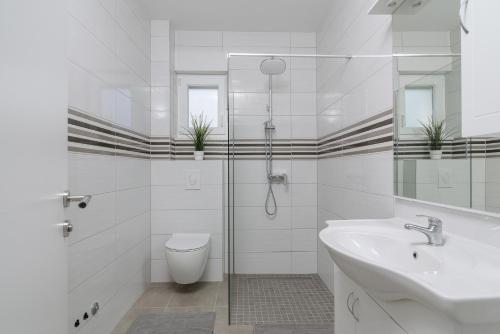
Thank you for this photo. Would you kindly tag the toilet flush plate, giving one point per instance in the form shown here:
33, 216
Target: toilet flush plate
192, 179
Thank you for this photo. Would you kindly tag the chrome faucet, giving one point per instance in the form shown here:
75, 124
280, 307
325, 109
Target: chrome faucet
434, 232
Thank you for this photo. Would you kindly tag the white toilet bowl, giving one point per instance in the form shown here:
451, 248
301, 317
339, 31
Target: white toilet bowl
187, 256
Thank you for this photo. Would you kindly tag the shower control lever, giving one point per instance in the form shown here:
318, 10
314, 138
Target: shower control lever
82, 200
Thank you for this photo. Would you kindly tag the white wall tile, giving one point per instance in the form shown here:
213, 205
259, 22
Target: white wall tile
256, 39
304, 240
349, 92
255, 218
258, 241
304, 171
304, 127
167, 172
91, 174
304, 194
108, 77
303, 104
160, 28
200, 59
160, 49
263, 263
304, 217
160, 74
177, 197
304, 262
186, 221
303, 40
198, 38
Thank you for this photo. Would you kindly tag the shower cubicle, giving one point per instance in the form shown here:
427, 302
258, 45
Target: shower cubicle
271, 206
287, 115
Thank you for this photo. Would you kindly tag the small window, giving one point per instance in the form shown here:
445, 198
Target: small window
419, 98
204, 101
418, 106
201, 95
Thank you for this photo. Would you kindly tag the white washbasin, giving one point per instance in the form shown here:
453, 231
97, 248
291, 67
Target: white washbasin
461, 278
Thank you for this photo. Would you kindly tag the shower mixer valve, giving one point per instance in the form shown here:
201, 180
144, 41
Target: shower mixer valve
278, 178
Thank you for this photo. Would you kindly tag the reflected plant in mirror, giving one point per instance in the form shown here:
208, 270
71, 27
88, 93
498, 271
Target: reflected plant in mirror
436, 135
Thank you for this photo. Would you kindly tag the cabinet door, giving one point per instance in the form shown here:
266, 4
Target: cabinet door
372, 318
480, 68
343, 287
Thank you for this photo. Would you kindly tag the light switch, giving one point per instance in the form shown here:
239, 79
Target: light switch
193, 179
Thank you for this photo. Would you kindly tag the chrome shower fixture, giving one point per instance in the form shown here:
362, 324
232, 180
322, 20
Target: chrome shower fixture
271, 66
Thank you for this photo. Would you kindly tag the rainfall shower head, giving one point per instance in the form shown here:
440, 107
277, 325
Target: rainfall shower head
273, 66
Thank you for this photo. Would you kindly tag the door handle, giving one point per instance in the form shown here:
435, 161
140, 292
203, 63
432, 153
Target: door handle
67, 228
82, 200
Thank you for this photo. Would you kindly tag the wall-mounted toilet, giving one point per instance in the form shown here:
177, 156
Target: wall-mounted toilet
187, 256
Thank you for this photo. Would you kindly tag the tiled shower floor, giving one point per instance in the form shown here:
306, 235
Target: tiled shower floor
280, 299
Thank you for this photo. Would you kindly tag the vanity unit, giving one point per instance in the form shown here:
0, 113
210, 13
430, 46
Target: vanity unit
390, 278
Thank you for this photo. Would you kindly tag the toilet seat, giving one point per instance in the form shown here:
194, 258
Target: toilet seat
180, 242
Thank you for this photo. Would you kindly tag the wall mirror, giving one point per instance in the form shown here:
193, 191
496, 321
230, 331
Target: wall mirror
448, 168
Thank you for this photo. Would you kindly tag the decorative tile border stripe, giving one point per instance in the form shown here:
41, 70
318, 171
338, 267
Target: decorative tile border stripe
459, 148
374, 134
89, 134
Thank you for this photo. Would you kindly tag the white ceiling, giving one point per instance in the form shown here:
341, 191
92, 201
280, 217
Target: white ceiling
240, 15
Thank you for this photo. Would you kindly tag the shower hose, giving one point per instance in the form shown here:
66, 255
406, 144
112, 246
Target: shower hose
270, 206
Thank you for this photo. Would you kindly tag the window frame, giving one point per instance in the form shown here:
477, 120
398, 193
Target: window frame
437, 83
210, 81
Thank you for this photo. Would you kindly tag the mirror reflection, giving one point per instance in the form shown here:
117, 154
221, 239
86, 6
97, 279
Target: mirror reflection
433, 162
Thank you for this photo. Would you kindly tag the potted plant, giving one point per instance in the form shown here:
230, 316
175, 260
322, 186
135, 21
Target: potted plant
436, 136
199, 133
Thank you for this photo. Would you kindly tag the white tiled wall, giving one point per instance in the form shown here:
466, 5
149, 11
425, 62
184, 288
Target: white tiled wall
286, 243
423, 42
444, 181
348, 92
449, 68
175, 209
294, 91
492, 186
109, 70
294, 103
161, 63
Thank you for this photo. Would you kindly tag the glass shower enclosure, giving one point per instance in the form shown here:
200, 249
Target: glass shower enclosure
271, 227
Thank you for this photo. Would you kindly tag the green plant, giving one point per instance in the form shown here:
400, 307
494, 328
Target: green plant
435, 132
199, 131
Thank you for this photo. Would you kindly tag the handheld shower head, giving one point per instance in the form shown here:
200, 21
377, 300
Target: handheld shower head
272, 66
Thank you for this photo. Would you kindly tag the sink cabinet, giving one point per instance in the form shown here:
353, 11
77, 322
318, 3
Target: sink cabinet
358, 313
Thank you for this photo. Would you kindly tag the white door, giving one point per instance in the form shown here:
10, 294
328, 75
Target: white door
480, 67
33, 167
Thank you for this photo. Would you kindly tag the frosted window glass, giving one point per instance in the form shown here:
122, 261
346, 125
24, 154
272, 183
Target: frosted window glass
418, 106
204, 101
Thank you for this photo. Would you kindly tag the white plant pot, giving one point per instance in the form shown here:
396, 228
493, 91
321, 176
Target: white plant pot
199, 155
436, 154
